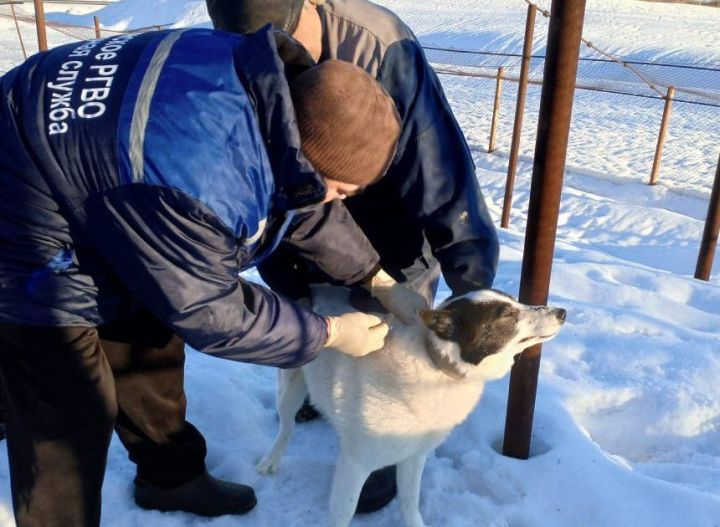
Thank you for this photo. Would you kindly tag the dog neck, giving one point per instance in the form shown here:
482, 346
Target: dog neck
441, 357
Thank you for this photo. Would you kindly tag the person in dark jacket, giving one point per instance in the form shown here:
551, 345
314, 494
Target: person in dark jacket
428, 214
140, 175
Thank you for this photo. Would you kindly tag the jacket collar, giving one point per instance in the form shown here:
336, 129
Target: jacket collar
262, 72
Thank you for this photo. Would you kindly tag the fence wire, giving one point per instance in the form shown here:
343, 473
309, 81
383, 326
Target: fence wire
698, 85
616, 122
616, 114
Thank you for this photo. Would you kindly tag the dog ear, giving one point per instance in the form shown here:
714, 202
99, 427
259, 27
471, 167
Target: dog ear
440, 321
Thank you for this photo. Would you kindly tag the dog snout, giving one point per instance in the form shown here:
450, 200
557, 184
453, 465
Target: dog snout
560, 314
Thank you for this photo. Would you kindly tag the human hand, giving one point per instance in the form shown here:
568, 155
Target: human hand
356, 334
400, 300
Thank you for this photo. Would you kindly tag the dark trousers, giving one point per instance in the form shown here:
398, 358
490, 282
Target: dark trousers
148, 364
65, 388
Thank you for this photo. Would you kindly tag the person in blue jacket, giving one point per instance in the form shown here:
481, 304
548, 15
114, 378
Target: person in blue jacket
139, 175
428, 214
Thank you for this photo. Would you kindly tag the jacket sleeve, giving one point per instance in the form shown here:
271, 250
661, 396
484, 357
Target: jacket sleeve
327, 235
435, 173
184, 265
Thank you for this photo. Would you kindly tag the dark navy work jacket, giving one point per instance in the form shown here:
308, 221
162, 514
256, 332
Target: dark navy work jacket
163, 164
430, 200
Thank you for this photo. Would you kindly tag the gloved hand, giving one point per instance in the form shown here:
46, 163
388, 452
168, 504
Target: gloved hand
400, 300
356, 334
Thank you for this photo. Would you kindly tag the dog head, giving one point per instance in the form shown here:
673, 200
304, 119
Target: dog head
480, 333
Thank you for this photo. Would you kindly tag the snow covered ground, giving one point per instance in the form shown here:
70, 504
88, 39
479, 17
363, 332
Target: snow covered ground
627, 425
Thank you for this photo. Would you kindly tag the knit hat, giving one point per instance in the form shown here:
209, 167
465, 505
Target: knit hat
349, 127
246, 16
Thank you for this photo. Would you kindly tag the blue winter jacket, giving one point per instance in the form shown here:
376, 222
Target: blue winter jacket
145, 163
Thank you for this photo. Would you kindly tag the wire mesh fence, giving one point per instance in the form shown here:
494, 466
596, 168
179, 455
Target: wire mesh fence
632, 122
692, 135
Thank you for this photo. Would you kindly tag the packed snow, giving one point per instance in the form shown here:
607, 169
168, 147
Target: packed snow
627, 421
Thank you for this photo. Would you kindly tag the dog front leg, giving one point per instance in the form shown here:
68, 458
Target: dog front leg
409, 474
347, 484
291, 393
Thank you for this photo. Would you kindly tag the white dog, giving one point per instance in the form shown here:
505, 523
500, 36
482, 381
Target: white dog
394, 406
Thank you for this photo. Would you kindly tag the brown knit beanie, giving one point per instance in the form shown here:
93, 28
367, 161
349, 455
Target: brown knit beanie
348, 123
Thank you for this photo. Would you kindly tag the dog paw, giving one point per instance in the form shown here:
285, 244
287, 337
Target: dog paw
266, 466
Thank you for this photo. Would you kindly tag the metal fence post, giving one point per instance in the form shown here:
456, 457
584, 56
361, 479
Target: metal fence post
96, 20
40, 25
17, 28
566, 23
496, 108
710, 233
661, 135
519, 112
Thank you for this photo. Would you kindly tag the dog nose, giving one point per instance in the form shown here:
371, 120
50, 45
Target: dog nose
561, 314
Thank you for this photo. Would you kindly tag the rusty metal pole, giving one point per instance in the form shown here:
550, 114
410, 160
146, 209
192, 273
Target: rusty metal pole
40, 25
661, 136
519, 112
710, 233
96, 20
496, 108
17, 28
566, 23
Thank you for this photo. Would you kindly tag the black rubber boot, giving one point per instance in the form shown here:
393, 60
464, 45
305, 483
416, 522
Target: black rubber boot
204, 496
307, 412
379, 490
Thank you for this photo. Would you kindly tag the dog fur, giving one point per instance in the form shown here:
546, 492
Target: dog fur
394, 406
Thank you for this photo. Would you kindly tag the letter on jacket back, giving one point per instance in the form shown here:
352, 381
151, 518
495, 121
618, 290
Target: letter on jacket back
143, 157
